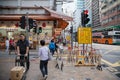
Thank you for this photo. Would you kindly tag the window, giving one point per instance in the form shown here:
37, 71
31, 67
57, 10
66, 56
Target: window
116, 36
118, 7
107, 36
96, 37
114, 0
119, 16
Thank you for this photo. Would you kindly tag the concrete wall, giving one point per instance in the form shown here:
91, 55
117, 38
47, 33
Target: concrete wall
8, 2
25, 3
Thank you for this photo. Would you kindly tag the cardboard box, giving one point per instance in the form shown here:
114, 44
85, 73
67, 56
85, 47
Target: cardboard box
17, 73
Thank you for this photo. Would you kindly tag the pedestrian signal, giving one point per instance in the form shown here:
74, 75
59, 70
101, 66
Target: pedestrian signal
35, 29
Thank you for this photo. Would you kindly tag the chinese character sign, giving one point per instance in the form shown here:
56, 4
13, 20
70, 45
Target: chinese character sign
84, 35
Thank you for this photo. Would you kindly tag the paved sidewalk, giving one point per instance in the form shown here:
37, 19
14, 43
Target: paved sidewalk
70, 72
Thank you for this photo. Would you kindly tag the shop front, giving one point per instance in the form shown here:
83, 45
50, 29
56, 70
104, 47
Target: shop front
10, 32
13, 32
49, 21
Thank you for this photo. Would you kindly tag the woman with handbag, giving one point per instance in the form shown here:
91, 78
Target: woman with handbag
44, 56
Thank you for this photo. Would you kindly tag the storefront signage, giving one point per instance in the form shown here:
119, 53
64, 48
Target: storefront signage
57, 31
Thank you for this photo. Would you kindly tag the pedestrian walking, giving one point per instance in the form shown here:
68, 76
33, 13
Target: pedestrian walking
44, 56
56, 47
23, 50
60, 50
7, 45
11, 42
52, 47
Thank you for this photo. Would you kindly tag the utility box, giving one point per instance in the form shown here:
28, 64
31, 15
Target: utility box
17, 73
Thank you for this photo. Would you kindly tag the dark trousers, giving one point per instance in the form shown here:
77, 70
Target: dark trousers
24, 60
52, 51
43, 67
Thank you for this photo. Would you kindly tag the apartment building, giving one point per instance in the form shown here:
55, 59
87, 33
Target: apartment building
110, 13
95, 14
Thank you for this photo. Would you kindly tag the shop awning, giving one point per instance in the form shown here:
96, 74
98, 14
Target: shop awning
53, 15
62, 24
48, 15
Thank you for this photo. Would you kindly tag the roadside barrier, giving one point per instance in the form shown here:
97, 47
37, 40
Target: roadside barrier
79, 57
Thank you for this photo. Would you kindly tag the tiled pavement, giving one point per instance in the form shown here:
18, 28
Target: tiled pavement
70, 72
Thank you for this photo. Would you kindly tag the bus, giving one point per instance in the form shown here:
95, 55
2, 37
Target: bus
108, 35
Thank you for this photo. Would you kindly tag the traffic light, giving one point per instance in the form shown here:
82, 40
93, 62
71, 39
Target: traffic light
22, 22
40, 30
30, 23
84, 17
35, 29
34, 23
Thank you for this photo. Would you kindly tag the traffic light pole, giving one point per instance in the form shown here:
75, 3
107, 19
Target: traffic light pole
38, 35
72, 37
84, 44
27, 26
83, 48
83, 25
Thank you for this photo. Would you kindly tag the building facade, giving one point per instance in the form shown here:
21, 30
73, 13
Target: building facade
110, 13
95, 14
10, 13
39, 10
79, 7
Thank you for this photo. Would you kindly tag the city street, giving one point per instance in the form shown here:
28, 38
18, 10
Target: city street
110, 53
88, 33
70, 72
110, 56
